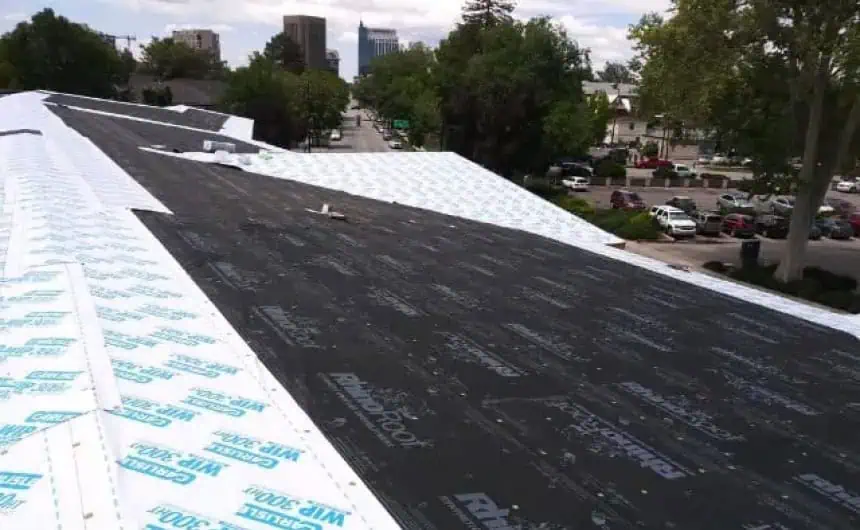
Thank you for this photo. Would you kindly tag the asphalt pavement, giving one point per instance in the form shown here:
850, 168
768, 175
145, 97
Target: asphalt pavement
358, 139
479, 377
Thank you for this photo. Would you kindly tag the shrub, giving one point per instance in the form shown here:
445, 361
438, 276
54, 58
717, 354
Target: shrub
576, 205
542, 187
715, 176
650, 149
817, 285
638, 227
746, 185
609, 169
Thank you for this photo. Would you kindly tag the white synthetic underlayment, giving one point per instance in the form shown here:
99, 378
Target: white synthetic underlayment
129, 400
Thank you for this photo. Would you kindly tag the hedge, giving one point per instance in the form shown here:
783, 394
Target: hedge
626, 224
608, 169
817, 285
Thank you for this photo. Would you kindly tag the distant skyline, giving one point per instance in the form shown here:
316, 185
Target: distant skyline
244, 27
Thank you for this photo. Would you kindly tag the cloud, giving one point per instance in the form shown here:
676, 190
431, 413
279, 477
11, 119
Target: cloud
600, 25
14, 17
218, 28
606, 43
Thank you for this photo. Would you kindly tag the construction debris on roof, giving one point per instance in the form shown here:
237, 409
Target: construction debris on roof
471, 373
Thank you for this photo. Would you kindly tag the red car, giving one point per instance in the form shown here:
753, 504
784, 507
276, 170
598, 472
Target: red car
626, 200
653, 163
854, 221
739, 225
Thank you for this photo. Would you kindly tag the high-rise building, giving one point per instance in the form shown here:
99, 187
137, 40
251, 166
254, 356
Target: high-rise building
200, 39
309, 33
333, 59
374, 42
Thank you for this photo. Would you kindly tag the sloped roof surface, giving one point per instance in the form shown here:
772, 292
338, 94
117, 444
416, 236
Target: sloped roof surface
473, 376
478, 375
128, 401
190, 117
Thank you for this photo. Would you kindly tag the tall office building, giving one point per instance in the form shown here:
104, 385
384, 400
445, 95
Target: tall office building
309, 33
373, 42
200, 39
333, 59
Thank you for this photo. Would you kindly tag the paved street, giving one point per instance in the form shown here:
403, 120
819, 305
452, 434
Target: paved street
363, 139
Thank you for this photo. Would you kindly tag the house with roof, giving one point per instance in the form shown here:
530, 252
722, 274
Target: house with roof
629, 127
198, 329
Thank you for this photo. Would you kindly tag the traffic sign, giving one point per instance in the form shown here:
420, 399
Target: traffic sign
401, 124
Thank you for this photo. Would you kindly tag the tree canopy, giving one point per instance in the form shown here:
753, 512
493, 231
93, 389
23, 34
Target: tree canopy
615, 72
169, 59
773, 79
50, 52
486, 13
285, 52
285, 107
503, 93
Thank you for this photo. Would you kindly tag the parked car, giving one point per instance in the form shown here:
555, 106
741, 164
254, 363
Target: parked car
683, 202
683, 171
704, 159
841, 207
835, 228
739, 225
782, 205
576, 183
854, 221
814, 232
719, 159
735, 202
772, 226
395, 144
386, 135
628, 200
848, 186
336, 135
675, 221
575, 169
652, 163
708, 223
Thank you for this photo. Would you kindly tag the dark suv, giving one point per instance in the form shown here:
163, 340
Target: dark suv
626, 200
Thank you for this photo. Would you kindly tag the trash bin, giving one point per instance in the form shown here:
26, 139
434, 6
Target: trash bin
750, 251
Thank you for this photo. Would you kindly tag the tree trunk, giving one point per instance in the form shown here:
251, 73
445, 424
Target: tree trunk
793, 258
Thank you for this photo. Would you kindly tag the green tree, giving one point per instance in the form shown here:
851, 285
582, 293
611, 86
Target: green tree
401, 87
600, 112
486, 13
567, 129
286, 108
615, 72
286, 52
265, 93
774, 79
324, 97
50, 52
494, 102
169, 59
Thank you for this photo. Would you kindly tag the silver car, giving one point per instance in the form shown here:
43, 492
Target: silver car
735, 203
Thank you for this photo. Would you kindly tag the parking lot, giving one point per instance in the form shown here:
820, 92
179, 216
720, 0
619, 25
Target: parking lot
842, 257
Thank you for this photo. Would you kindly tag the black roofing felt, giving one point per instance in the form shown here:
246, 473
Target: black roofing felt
143, 134
199, 119
474, 375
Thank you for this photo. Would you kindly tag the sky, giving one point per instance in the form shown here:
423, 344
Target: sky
245, 26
